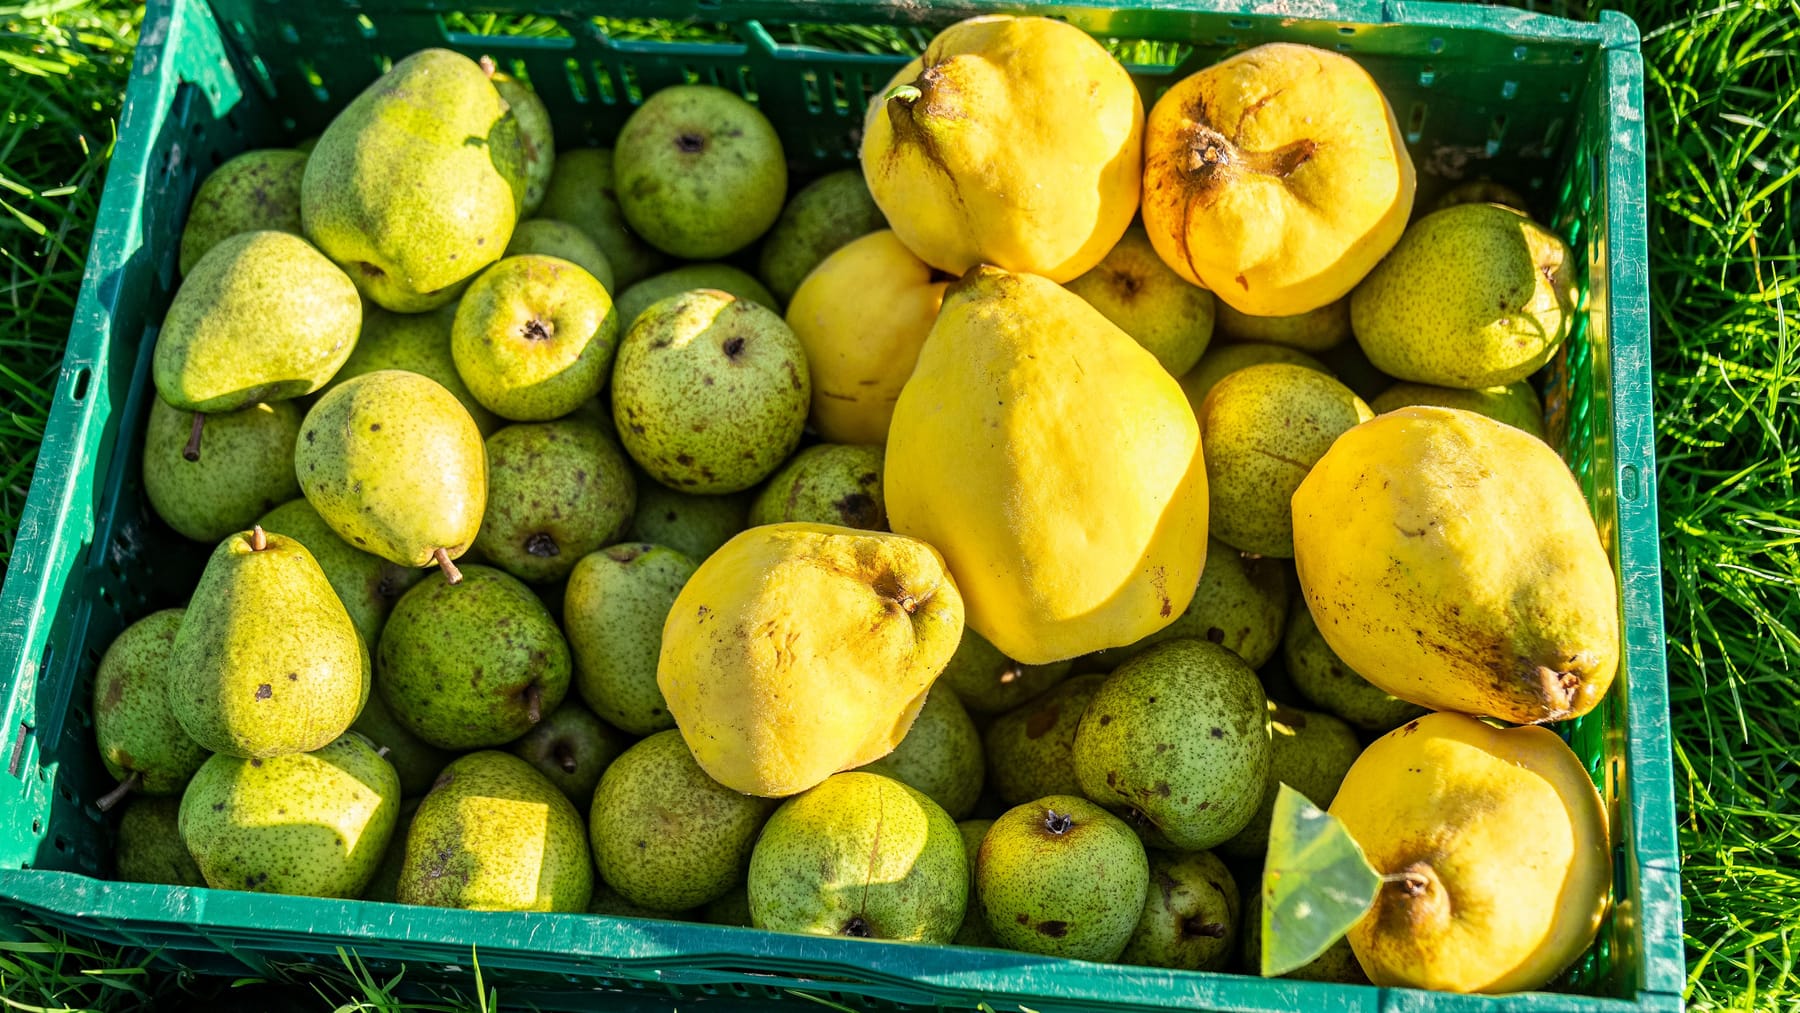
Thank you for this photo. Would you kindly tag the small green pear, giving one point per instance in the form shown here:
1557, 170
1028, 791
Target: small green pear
416, 762
392, 461
141, 743
1030, 750
731, 909
665, 835
251, 192
266, 661
826, 213
311, 824
940, 754
989, 682
248, 469
1240, 604
556, 492
418, 343
1316, 330
1177, 742
1062, 877
385, 884
1310, 753
828, 483
494, 835
613, 609
472, 664
974, 930
367, 585
572, 748
537, 141
534, 337
1146, 299
1515, 404
1190, 919
860, 855
694, 526
1324, 681
686, 278
607, 901
552, 238
581, 192
1223, 360
149, 848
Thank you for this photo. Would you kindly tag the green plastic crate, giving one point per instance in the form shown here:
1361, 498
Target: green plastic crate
1552, 107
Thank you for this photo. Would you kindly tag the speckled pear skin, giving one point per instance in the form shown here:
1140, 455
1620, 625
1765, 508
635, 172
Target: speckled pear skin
1146, 299
1062, 877
418, 343
864, 856
472, 664
1263, 428
826, 213
638, 298
1308, 752
246, 467
974, 930
1323, 680
988, 682
257, 190
266, 661
434, 120
537, 143
1177, 742
665, 835
415, 761
136, 731
613, 610
1475, 295
710, 392
534, 337
1221, 361
700, 171
581, 193
1030, 749
308, 824
572, 748
367, 585
731, 909
827, 483
494, 835
149, 849
940, 754
261, 317
1316, 330
1190, 920
556, 492
1515, 404
392, 461
1241, 605
694, 526
553, 238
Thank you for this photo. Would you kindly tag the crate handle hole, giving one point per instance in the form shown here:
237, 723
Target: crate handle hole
78, 387
18, 754
1415, 122
1509, 89
1346, 30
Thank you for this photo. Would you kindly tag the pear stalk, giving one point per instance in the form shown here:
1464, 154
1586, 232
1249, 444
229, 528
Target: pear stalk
451, 573
112, 798
191, 452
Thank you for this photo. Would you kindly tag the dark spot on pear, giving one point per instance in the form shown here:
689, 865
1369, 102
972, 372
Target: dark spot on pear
1105, 719
857, 927
218, 807
293, 676
1041, 720
1217, 733
1055, 930
265, 691
1196, 927
542, 545
1216, 635
374, 427
684, 459
255, 762
690, 143
1162, 788
310, 434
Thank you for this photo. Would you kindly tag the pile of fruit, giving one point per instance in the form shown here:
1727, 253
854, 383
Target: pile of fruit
552, 576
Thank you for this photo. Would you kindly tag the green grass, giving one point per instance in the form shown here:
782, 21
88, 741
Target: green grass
1724, 153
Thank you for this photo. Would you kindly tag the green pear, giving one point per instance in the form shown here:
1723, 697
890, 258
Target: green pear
828, 483
536, 140
416, 762
860, 855
1031, 750
1316, 330
385, 884
251, 192
1190, 919
534, 337
1062, 877
494, 835
1146, 299
149, 847
694, 526
731, 909
572, 748
710, 393
552, 238
311, 824
989, 682
974, 930
1515, 404
472, 664
700, 172
141, 743
435, 121
826, 213
607, 901
686, 278
1352, 368
262, 317
581, 193
556, 492
1310, 753
1223, 360
665, 835
1337, 964
940, 754
1177, 742
1240, 604
266, 661
418, 343
392, 461
248, 469
613, 609
1324, 681
367, 585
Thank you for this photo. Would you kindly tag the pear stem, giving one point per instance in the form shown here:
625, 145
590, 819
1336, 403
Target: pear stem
1413, 882
259, 539
565, 759
534, 703
112, 798
487, 65
191, 452
451, 573
381, 751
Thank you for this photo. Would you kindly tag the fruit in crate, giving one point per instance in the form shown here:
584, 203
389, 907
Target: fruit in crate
1309, 753
418, 343
1322, 679
572, 748
415, 761
435, 121
694, 526
1276, 178
1031, 750
556, 492
249, 469
988, 682
1190, 920
551, 238
251, 192
1316, 330
730, 280
533, 337
828, 483
537, 144
582, 193
1240, 604
799, 650
1055, 464
1013, 141
825, 215
1063, 877
940, 754
149, 849
367, 585
1221, 361
1134, 289
614, 609
141, 743
974, 930
1515, 404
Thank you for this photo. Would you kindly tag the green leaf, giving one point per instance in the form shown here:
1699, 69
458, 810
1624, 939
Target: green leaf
1316, 884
